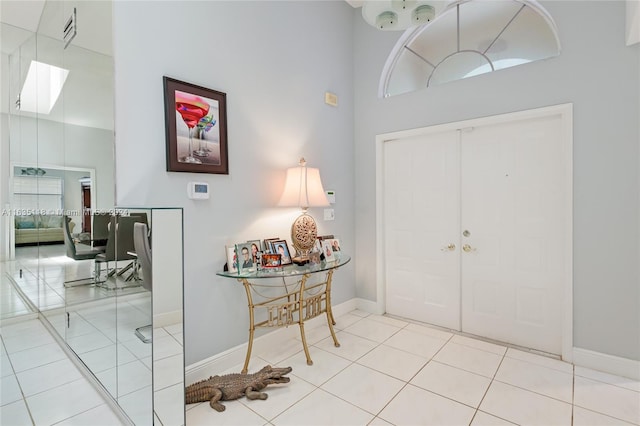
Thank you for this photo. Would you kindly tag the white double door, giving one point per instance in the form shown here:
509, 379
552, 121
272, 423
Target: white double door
473, 230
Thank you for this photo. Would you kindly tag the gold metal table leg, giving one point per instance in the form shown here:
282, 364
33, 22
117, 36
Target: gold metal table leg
301, 318
247, 288
330, 320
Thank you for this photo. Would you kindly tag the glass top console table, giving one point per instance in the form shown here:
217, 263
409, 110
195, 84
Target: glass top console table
281, 303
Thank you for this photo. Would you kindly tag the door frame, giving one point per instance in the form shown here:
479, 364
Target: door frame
565, 112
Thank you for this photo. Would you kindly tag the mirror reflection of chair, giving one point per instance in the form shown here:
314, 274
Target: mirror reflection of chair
77, 251
143, 252
100, 229
80, 251
119, 248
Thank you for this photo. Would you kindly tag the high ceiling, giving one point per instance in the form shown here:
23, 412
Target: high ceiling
88, 58
23, 18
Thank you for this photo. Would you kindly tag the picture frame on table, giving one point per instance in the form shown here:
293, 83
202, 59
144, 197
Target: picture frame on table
327, 251
195, 128
335, 244
245, 261
232, 258
256, 250
271, 260
267, 244
282, 248
322, 238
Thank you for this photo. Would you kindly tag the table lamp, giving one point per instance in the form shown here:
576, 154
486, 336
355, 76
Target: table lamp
303, 188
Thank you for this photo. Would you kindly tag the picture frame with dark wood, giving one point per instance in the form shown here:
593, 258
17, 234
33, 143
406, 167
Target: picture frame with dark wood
268, 244
196, 128
281, 247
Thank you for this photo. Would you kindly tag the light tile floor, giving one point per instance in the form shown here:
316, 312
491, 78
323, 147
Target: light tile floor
392, 372
387, 371
97, 328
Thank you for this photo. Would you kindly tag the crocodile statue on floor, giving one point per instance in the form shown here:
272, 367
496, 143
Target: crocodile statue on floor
234, 386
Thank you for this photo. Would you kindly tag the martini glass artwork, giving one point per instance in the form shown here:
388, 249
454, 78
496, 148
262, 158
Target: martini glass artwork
191, 108
204, 125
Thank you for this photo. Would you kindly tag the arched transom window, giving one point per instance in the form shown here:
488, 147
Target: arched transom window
469, 37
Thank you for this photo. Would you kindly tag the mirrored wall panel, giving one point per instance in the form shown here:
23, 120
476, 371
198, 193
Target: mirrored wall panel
69, 256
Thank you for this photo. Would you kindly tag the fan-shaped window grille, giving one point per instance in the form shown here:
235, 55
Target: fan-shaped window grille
469, 37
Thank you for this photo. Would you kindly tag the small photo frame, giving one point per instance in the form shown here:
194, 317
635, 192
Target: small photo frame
232, 259
327, 250
271, 260
245, 261
267, 244
321, 238
256, 248
335, 244
280, 247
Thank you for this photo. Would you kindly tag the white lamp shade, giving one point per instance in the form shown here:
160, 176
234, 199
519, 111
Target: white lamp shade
303, 188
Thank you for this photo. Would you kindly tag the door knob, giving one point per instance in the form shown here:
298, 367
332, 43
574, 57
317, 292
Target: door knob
450, 247
467, 248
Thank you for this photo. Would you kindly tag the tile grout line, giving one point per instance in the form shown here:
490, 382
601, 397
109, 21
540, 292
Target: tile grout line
24, 399
573, 394
484, 395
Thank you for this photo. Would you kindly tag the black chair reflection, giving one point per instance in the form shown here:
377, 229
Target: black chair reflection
119, 247
143, 253
100, 229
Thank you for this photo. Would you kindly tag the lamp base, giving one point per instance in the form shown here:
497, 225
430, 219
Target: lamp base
300, 260
303, 236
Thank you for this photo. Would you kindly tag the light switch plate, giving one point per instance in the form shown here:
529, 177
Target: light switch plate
329, 214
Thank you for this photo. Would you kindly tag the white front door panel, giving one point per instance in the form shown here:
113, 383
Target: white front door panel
422, 217
497, 193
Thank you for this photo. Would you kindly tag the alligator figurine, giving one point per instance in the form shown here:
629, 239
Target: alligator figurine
234, 386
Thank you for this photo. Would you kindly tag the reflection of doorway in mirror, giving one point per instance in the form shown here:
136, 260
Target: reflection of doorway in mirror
69, 200
85, 189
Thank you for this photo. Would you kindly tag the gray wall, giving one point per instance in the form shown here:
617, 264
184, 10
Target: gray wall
600, 76
274, 60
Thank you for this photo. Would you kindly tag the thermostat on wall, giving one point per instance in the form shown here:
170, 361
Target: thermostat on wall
198, 190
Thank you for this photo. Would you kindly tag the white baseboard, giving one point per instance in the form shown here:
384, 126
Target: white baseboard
369, 306
607, 363
235, 356
167, 318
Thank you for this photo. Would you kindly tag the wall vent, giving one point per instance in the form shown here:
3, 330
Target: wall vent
70, 29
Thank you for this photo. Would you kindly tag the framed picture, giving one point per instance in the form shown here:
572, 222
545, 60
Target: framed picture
232, 259
196, 128
334, 243
327, 250
280, 247
268, 244
256, 250
321, 238
245, 262
271, 260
